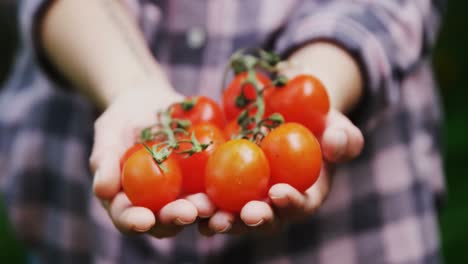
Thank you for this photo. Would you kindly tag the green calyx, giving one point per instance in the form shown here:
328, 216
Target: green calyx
189, 104
280, 81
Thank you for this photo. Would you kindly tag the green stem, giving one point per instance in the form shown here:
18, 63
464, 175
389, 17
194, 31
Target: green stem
166, 122
268, 62
158, 157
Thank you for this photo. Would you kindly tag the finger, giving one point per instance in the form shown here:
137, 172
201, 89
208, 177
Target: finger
284, 195
221, 222
203, 204
317, 193
109, 146
128, 218
355, 142
334, 144
180, 212
107, 142
106, 182
341, 140
256, 213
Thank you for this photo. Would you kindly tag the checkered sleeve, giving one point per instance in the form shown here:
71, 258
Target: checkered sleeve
388, 38
32, 12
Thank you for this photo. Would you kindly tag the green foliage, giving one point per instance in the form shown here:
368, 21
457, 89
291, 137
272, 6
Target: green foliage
11, 250
451, 66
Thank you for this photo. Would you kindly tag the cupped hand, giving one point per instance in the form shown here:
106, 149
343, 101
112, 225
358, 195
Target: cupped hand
341, 141
116, 130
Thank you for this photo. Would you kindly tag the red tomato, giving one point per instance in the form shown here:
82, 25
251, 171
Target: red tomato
234, 89
193, 167
231, 129
132, 150
237, 172
199, 109
303, 100
294, 155
146, 184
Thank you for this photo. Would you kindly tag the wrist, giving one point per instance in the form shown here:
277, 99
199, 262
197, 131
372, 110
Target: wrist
338, 71
109, 90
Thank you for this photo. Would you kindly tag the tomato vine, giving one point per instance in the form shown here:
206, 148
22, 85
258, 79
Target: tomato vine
255, 127
166, 133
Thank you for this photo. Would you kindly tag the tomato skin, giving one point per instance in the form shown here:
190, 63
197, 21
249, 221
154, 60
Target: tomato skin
304, 100
237, 172
234, 89
193, 167
294, 155
146, 184
205, 110
132, 150
231, 129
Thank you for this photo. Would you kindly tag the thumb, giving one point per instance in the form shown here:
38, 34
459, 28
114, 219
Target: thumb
106, 182
105, 162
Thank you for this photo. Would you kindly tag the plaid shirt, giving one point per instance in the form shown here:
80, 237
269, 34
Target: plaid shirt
382, 205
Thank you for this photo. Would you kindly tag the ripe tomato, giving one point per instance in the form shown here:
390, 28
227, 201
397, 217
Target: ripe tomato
231, 110
236, 173
231, 129
193, 167
303, 100
199, 109
146, 184
294, 155
132, 150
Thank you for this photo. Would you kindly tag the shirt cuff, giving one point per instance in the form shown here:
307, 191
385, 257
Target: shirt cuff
351, 35
31, 14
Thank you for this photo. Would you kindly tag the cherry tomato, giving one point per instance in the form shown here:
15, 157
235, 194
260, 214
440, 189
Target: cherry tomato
199, 109
303, 100
294, 155
231, 129
146, 184
132, 150
236, 173
193, 167
231, 110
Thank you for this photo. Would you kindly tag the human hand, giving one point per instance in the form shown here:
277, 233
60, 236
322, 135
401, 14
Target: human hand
341, 141
116, 130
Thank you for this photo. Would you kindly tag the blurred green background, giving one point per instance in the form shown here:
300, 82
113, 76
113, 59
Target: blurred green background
451, 66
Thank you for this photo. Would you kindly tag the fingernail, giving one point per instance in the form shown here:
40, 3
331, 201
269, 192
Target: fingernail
279, 201
204, 216
224, 230
178, 221
276, 197
276, 193
256, 224
141, 229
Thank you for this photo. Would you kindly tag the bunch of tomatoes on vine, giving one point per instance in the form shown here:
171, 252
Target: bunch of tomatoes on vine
264, 132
